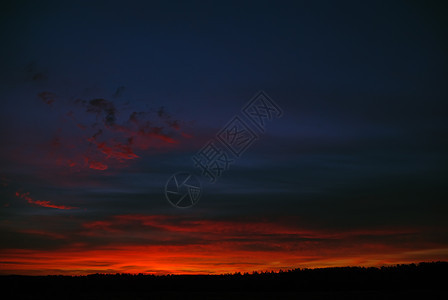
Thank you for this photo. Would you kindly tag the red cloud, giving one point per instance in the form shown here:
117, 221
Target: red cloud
214, 228
96, 165
108, 133
47, 97
118, 151
26, 196
43, 233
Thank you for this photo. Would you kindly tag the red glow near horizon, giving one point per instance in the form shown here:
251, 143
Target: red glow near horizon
162, 244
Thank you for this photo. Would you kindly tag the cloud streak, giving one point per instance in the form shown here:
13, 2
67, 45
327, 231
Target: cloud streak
26, 196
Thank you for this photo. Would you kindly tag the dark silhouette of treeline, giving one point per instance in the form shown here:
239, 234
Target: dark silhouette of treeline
424, 279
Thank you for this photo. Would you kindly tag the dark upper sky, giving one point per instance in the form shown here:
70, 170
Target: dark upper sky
102, 102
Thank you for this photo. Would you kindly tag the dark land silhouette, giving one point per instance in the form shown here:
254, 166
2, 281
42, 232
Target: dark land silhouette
426, 280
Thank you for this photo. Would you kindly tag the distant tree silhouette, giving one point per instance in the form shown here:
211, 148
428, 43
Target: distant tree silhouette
413, 278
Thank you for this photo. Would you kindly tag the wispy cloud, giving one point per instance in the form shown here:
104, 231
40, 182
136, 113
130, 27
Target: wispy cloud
26, 196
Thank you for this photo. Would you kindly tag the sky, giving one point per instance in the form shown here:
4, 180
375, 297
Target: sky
102, 102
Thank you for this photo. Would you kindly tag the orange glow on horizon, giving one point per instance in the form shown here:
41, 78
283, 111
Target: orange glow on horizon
164, 244
161, 260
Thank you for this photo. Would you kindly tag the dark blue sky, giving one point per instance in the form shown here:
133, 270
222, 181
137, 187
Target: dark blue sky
353, 173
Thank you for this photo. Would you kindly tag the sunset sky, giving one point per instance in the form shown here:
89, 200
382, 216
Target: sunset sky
100, 104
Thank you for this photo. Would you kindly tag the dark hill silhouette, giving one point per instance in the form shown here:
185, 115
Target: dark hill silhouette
421, 280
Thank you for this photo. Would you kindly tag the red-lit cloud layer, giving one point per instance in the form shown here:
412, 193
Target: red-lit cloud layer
166, 244
107, 134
